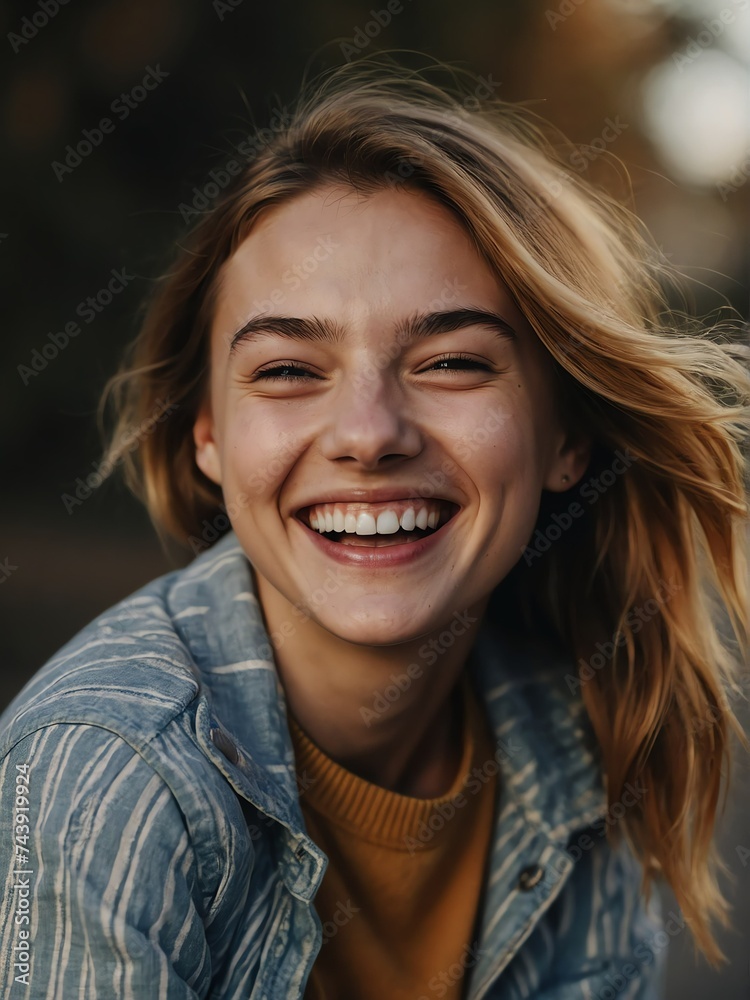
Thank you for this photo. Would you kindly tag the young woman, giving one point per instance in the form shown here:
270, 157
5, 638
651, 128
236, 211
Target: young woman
448, 695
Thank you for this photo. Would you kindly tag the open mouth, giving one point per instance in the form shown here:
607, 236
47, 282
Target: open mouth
378, 525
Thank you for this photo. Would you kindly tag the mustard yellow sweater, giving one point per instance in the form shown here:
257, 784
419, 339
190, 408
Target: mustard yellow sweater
401, 895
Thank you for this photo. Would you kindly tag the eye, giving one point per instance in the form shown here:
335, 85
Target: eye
460, 362
292, 372
275, 373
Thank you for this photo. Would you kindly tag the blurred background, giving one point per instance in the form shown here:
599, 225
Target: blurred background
90, 212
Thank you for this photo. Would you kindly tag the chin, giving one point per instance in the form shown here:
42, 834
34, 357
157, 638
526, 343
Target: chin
370, 628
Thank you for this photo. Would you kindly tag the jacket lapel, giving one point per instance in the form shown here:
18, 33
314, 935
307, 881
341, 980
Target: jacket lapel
550, 777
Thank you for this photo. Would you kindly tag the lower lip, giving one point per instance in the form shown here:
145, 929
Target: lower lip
391, 555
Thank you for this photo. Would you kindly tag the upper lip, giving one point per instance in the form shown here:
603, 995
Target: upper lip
383, 494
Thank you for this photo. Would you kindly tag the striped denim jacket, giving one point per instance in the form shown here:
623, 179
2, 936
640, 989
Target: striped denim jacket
152, 843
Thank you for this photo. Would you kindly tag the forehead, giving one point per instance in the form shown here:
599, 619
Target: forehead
336, 231
380, 217
361, 256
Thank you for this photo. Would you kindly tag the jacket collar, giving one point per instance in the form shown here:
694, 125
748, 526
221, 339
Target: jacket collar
545, 747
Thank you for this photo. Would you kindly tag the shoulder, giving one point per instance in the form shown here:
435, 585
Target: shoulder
114, 863
133, 668
136, 678
127, 670
117, 731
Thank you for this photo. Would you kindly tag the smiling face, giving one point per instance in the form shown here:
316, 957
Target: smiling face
397, 368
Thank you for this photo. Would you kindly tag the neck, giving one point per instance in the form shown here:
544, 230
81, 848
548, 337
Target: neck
385, 713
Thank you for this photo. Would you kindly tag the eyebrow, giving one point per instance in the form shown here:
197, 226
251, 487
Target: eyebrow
419, 324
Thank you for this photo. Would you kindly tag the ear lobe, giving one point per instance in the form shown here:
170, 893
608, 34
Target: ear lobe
206, 449
569, 464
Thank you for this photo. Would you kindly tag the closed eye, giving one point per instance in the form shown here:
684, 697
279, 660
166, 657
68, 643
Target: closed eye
272, 373
465, 360
459, 362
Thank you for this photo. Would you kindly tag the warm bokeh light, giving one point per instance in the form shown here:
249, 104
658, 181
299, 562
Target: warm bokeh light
697, 114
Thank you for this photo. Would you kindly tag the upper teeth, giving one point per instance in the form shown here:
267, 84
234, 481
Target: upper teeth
352, 519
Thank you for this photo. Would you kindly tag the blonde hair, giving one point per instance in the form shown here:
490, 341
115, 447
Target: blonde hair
671, 399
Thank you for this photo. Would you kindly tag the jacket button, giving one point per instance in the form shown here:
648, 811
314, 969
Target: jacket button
530, 877
223, 743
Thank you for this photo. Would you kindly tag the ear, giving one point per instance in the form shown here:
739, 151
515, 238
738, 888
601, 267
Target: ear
206, 449
569, 463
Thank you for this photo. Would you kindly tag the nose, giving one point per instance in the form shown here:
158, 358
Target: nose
369, 422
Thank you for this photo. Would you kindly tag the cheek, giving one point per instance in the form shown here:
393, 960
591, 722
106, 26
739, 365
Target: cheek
502, 448
259, 451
